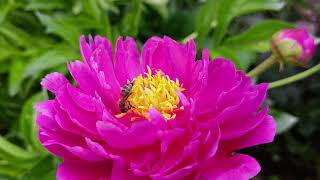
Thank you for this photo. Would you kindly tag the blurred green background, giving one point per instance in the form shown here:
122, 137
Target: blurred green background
40, 36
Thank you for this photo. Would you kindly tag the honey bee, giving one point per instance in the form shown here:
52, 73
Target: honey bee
124, 104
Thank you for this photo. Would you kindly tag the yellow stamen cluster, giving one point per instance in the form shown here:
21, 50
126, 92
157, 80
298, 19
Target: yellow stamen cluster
155, 91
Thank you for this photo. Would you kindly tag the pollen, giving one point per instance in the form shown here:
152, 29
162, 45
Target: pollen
155, 91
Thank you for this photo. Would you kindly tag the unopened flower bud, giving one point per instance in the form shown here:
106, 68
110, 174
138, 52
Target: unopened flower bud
293, 46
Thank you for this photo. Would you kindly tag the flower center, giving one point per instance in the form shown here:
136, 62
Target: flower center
154, 91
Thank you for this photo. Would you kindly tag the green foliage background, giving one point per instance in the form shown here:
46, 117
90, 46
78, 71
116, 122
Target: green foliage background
40, 36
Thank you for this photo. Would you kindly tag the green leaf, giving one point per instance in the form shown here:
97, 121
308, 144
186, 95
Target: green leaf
14, 154
45, 5
15, 76
6, 49
246, 59
50, 59
5, 9
59, 26
225, 13
250, 6
45, 169
91, 8
228, 10
204, 19
257, 38
16, 35
160, 6
131, 21
284, 120
10, 170
28, 127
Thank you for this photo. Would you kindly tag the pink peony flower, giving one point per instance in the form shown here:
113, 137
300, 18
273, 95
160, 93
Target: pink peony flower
161, 115
295, 46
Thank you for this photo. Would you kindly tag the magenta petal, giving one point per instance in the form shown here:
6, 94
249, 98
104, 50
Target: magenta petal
127, 65
234, 129
157, 119
199, 75
54, 81
102, 65
218, 71
78, 115
170, 57
181, 173
238, 166
98, 149
120, 171
263, 133
83, 77
141, 133
45, 107
83, 170
85, 49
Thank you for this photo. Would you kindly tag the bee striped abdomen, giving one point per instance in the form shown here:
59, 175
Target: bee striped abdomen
124, 104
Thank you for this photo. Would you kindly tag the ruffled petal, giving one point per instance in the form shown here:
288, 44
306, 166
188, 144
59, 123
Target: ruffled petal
172, 58
232, 167
141, 133
54, 81
218, 71
263, 133
83, 170
83, 77
127, 65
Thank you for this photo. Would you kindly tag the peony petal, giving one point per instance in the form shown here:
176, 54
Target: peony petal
169, 56
79, 116
127, 65
218, 71
85, 49
120, 171
263, 133
83, 170
54, 81
235, 167
233, 128
141, 133
83, 77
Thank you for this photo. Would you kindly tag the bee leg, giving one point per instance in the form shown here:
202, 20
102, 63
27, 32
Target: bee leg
130, 105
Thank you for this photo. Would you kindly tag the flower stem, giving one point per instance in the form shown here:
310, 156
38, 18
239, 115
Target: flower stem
266, 64
294, 78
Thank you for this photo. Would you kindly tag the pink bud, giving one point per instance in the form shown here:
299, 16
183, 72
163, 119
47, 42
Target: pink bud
294, 46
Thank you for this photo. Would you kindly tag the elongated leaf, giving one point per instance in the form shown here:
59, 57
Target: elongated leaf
160, 6
257, 38
27, 123
15, 76
45, 5
58, 26
284, 120
49, 60
9, 170
228, 10
15, 154
249, 6
131, 21
91, 7
45, 169
6, 49
5, 8
16, 35
205, 17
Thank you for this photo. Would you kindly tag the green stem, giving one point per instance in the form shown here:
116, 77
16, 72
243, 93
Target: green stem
294, 78
266, 64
